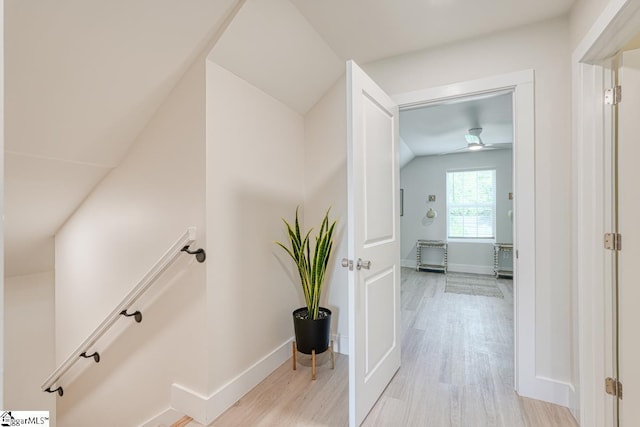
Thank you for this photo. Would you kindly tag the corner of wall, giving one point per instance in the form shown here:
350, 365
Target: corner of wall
547, 390
206, 409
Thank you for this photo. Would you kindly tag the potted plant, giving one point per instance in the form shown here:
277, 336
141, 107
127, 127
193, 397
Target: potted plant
312, 324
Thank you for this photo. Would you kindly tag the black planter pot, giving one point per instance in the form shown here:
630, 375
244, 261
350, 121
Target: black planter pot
312, 334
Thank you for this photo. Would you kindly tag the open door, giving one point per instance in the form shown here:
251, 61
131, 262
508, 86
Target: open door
629, 227
373, 242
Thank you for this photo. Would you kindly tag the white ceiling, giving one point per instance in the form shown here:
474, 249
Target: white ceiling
440, 128
366, 30
258, 46
83, 77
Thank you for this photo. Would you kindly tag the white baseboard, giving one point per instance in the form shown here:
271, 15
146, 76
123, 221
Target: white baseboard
165, 419
411, 263
470, 268
548, 390
206, 409
341, 344
574, 402
455, 268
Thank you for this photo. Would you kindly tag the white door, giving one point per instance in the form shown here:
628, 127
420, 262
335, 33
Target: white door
629, 227
373, 241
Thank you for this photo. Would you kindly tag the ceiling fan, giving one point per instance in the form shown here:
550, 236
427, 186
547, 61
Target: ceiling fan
475, 143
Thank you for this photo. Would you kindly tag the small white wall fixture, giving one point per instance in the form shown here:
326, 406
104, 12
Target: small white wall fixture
521, 83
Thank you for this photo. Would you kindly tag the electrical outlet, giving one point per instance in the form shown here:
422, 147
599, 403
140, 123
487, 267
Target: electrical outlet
432, 197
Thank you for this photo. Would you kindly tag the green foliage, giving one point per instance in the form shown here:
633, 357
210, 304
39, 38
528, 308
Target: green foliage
312, 266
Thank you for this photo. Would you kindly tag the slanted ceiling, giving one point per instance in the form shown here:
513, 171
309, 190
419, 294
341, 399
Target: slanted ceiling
271, 45
367, 30
82, 79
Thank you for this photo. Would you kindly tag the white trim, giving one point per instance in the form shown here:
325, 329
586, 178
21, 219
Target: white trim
206, 409
190, 403
470, 268
551, 390
410, 263
522, 85
463, 89
484, 241
588, 263
526, 381
616, 25
341, 344
456, 268
164, 419
618, 22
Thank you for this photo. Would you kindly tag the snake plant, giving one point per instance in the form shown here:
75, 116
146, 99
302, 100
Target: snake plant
312, 265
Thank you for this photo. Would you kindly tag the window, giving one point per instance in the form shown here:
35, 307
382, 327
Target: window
471, 204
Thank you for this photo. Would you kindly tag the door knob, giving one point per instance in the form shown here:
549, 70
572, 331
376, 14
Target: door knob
347, 263
363, 264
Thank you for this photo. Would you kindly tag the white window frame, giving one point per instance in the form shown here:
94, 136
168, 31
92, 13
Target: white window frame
491, 205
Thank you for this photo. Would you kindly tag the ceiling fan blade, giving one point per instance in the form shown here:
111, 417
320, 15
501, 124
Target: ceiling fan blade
498, 146
454, 151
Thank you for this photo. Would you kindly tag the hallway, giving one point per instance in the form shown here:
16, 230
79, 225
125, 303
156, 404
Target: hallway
457, 370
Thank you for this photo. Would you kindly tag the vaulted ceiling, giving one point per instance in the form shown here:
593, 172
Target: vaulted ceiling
440, 128
366, 30
83, 77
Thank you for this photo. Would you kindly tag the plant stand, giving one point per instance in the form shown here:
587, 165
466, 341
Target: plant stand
421, 263
313, 358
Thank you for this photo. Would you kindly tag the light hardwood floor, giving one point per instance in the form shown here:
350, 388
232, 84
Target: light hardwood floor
457, 370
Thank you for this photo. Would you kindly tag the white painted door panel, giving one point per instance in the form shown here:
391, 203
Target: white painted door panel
629, 227
373, 235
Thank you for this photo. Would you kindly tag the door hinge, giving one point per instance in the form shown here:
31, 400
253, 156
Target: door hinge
613, 387
613, 96
613, 241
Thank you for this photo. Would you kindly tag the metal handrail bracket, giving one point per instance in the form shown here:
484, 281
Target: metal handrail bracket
141, 287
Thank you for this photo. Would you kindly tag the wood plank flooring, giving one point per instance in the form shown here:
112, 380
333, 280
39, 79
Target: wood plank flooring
457, 370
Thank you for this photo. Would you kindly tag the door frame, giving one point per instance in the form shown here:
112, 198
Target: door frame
521, 83
592, 314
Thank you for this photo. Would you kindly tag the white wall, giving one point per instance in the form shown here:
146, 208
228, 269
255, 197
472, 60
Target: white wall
426, 175
111, 241
29, 342
582, 16
325, 169
543, 47
255, 161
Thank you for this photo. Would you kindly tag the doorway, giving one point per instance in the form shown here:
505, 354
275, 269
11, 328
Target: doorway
456, 233
457, 184
594, 171
520, 84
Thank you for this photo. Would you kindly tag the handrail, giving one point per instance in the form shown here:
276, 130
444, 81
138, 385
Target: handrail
181, 245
